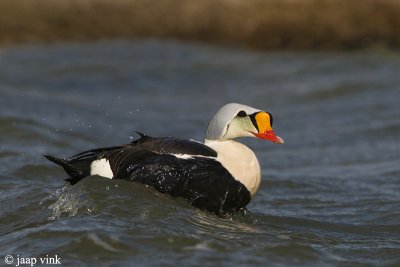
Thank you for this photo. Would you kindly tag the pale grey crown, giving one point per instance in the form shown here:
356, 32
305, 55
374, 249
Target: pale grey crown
217, 129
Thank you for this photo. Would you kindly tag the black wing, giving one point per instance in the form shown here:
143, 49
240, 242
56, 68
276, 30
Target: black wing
78, 166
171, 145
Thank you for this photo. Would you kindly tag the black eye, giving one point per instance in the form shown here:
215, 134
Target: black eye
241, 114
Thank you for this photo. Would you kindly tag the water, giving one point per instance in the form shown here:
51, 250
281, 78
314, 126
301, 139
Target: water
330, 196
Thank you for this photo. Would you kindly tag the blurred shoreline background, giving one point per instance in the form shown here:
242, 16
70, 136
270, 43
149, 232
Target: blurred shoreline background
257, 24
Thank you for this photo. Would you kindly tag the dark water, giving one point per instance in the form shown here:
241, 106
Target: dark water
329, 197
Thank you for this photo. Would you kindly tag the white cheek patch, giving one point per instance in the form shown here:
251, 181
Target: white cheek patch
101, 167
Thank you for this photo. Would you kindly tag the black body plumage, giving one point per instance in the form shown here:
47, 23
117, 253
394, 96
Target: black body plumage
199, 177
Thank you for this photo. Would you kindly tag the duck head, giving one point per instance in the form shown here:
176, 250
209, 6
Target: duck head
237, 120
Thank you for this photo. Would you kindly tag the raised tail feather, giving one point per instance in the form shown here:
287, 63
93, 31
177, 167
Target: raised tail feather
75, 174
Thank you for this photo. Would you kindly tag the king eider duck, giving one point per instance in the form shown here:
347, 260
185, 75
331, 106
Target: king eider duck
220, 176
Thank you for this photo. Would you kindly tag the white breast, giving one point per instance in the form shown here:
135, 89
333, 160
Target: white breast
240, 161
